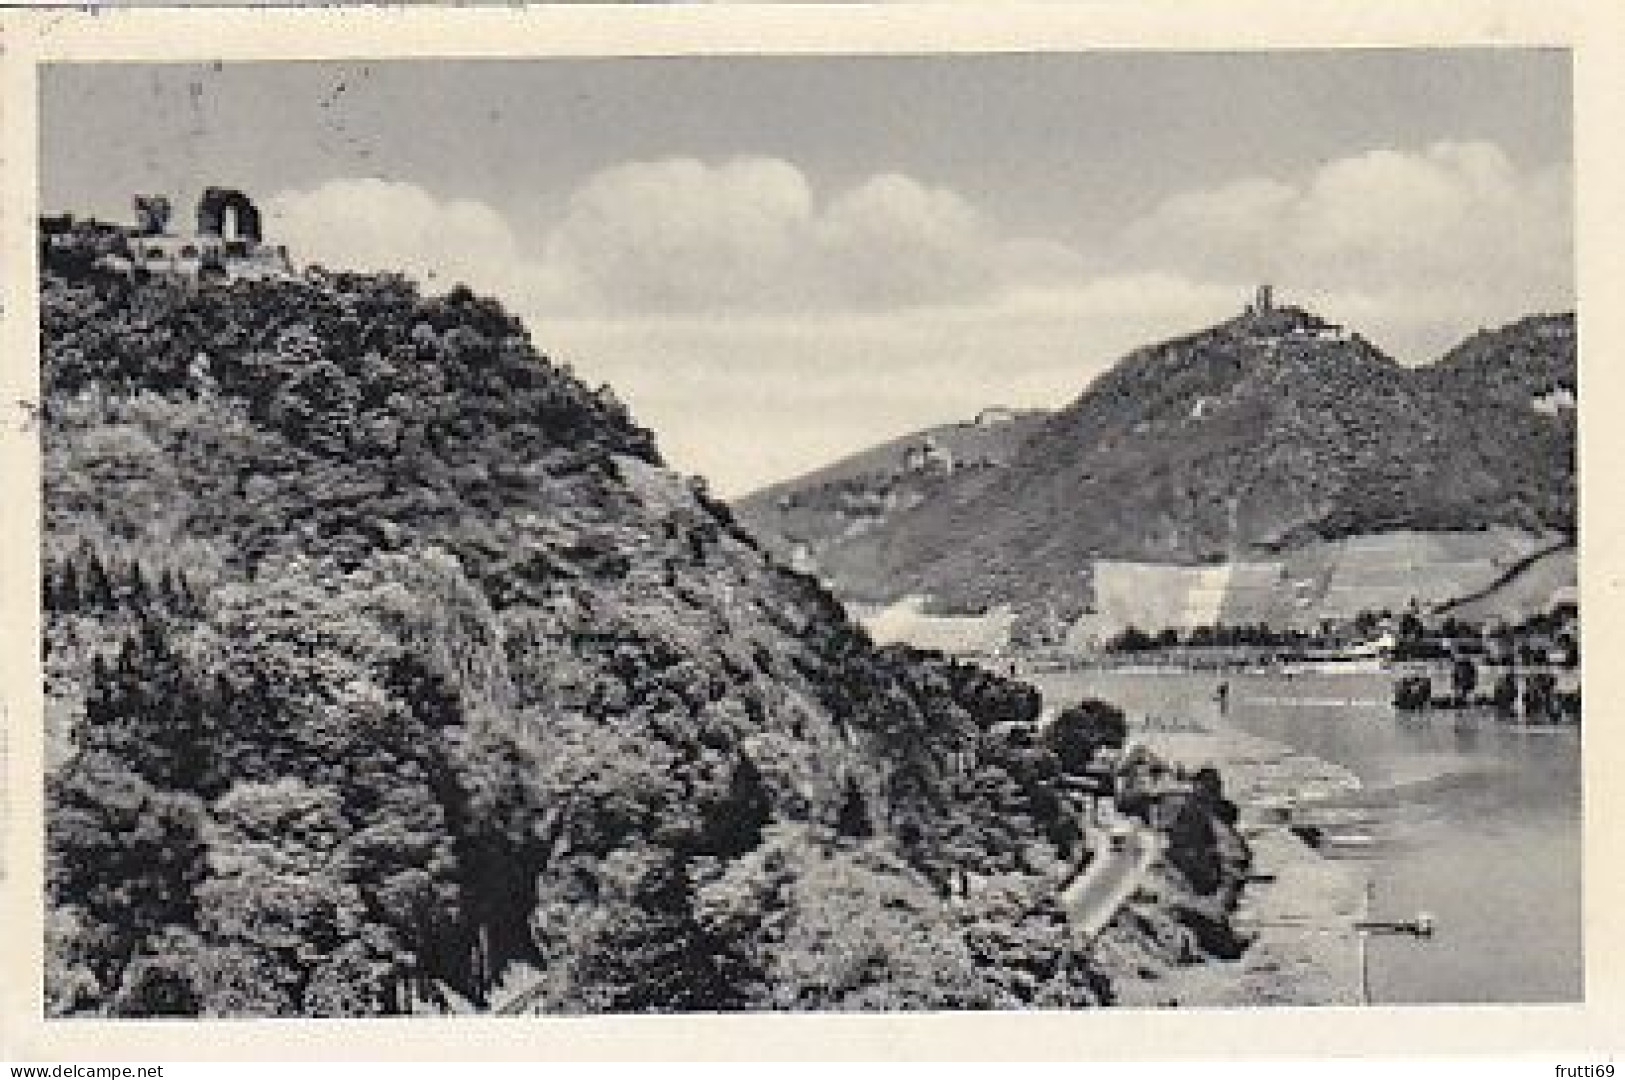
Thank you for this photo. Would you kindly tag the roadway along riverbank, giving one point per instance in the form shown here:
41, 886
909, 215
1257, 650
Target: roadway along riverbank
1304, 906
1093, 899
1301, 908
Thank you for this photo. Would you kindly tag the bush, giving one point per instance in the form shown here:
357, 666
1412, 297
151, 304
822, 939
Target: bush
1540, 697
1463, 677
1413, 692
1131, 640
1083, 730
1505, 697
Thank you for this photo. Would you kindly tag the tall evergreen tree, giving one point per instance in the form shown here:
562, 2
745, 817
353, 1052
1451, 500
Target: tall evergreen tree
853, 820
98, 591
147, 712
136, 591
734, 825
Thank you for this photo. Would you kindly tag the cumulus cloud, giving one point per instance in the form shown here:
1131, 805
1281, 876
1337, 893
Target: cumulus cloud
1456, 220
1452, 232
681, 235
706, 292
751, 234
370, 224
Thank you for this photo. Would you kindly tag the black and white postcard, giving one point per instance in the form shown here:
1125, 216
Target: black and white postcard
1006, 533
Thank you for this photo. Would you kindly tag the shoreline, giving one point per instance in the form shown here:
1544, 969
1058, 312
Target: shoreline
1304, 949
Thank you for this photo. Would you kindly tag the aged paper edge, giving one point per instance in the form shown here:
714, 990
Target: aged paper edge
1596, 35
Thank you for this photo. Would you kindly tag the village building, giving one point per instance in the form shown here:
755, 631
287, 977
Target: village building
995, 416
927, 456
801, 557
1558, 399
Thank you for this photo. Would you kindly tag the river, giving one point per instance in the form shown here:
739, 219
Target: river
1471, 819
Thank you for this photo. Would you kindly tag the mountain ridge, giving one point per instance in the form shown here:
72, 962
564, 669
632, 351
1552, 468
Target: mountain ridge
1256, 435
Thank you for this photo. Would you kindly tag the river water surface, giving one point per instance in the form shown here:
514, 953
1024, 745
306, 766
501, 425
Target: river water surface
1471, 819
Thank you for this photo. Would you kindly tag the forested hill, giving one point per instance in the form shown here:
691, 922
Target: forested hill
383, 656
1526, 359
1256, 435
864, 490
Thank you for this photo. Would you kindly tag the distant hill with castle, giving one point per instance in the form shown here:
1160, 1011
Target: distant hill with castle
803, 516
1273, 432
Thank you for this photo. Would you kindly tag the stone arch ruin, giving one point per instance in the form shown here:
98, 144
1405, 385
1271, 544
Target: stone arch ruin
214, 207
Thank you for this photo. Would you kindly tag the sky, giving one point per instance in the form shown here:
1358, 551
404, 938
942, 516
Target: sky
776, 261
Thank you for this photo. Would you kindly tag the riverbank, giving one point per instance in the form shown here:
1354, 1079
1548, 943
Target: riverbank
1298, 911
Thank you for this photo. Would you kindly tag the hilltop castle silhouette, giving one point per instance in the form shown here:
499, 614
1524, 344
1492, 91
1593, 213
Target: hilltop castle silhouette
228, 243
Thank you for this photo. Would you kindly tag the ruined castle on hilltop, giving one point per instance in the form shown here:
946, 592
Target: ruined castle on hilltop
1264, 319
228, 242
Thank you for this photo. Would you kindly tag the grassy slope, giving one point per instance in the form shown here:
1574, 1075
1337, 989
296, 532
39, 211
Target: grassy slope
1533, 589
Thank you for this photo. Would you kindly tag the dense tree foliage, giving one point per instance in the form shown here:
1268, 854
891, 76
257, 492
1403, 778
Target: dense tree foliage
384, 659
1082, 730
